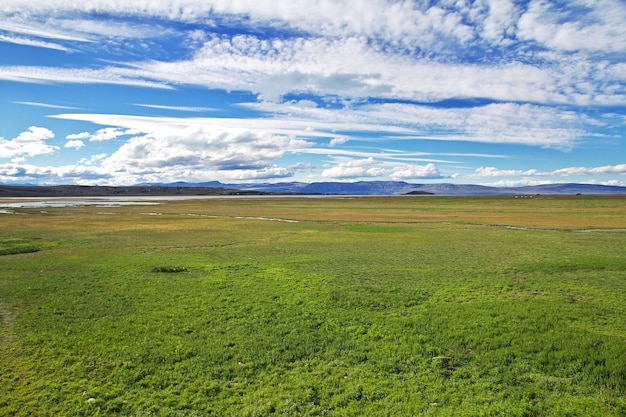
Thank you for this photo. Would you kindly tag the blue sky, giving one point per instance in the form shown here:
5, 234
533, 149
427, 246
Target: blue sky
495, 92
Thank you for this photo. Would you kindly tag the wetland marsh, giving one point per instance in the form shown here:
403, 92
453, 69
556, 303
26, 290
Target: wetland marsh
399, 306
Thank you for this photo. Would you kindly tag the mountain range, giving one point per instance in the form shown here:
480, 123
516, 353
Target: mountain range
400, 187
317, 188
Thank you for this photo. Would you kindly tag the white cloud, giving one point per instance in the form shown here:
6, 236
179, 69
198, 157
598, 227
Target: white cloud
195, 149
109, 133
400, 21
109, 75
354, 168
595, 24
349, 67
204, 147
483, 172
28, 143
46, 105
352, 48
494, 123
498, 20
103, 134
92, 159
111, 28
517, 183
77, 136
607, 169
178, 108
76, 144
486, 172
40, 31
536, 52
369, 167
304, 127
32, 42
411, 171
600, 28
337, 141
67, 174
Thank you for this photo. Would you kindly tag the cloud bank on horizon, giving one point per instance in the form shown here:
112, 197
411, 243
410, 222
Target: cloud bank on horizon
495, 92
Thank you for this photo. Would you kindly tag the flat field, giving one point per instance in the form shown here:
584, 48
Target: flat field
378, 306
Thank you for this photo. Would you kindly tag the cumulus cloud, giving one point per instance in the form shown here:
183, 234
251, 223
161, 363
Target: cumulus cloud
76, 144
204, 147
67, 174
32, 142
411, 172
196, 149
346, 168
354, 169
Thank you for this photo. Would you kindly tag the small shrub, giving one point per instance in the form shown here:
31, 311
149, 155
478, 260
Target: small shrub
169, 269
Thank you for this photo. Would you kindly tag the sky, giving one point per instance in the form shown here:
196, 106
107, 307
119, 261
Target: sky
492, 92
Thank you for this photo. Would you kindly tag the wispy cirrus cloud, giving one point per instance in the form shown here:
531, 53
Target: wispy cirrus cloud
109, 75
20, 26
46, 105
191, 109
33, 42
494, 123
526, 124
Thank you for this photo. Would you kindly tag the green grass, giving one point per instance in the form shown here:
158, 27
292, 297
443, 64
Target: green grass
366, 306
13, 246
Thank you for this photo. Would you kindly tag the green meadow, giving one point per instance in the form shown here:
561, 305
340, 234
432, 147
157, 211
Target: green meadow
377, 306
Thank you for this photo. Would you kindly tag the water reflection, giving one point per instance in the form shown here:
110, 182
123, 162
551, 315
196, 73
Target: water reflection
44, 204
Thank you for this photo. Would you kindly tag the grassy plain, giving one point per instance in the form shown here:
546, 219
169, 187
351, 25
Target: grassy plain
399, 306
